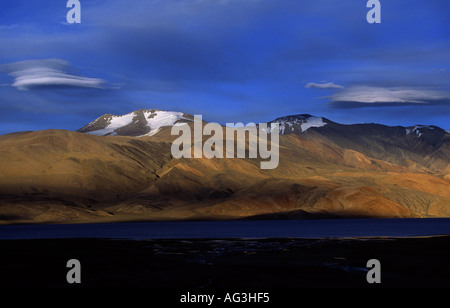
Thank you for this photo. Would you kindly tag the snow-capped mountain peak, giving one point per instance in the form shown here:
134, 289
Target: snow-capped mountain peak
299, 123
144, 122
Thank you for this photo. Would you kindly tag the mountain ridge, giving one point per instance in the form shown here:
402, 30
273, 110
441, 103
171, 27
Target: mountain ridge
102, 122
326, 170
419, 144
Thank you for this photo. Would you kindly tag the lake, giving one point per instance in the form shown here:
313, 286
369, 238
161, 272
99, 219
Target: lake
327, 228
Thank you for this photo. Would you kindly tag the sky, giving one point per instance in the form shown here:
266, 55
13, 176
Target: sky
228, 60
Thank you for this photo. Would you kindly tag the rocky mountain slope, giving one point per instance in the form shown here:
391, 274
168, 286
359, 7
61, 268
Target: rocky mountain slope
326, 169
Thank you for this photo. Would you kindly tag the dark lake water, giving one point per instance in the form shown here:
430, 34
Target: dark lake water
235, 229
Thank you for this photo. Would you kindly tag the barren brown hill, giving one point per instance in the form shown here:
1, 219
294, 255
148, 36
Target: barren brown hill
331, 170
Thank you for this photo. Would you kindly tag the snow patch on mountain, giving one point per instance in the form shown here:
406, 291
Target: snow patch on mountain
417, 129
158, 119
313, 122
114, 123
301, 123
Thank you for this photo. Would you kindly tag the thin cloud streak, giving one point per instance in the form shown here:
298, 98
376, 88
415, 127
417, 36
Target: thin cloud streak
328, 85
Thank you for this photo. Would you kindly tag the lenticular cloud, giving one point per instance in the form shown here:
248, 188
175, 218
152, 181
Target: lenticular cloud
377, 95
47, 73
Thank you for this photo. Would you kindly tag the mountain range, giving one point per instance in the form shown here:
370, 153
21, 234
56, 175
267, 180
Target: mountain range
120, 168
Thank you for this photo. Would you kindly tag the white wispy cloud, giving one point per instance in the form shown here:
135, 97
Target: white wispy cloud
328, 85
47, 73
372, 95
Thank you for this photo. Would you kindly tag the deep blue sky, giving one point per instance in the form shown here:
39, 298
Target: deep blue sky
229, 60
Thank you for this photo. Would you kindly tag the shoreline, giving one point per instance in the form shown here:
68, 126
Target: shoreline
248, 229
117, 220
